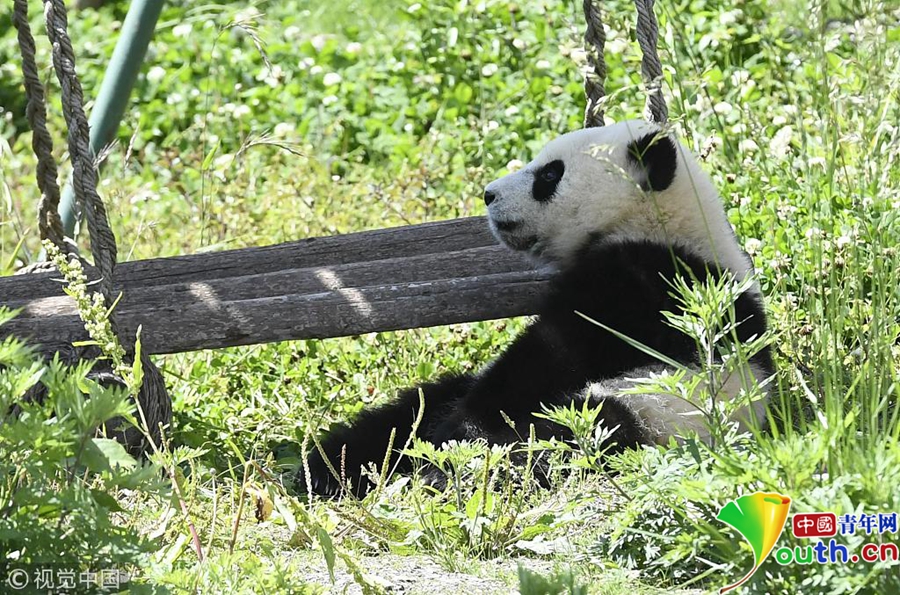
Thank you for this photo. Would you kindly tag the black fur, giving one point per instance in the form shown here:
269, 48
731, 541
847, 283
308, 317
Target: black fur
546, 180
657, 158
624, 286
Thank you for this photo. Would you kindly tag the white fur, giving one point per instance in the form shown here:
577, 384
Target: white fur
600, 192
666, 416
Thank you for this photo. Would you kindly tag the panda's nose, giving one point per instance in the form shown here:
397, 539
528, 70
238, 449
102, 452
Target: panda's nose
489, 197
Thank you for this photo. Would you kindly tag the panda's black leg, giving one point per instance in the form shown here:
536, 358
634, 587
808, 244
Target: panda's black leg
628, 431
467, 424
352, 446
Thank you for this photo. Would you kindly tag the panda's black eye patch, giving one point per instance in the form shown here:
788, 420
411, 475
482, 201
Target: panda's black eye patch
546, 179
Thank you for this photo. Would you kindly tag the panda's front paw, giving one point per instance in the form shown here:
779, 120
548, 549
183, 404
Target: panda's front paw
315, 477
434, 478
349, 468
458, 427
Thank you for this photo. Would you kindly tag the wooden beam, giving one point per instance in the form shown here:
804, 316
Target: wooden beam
389, 279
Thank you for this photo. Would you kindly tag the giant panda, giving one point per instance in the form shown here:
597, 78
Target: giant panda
617, 212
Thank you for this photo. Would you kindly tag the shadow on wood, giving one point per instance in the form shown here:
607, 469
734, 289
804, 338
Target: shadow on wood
383, 280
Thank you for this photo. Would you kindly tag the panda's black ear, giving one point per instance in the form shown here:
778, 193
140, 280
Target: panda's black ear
656, 157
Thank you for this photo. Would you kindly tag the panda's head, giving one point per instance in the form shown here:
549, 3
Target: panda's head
628, 181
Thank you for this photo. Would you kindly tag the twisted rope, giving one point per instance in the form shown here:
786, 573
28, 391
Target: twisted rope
84, 176
49, 222
651, 68
153, 397
595, 76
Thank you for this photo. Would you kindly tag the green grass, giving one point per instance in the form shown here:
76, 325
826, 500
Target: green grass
255, 126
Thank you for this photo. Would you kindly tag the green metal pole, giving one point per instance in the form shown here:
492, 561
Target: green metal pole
116, 88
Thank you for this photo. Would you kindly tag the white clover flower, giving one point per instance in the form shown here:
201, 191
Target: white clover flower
519, 44
318, 42
316, 70
291, 32
353, 48
781, 143
616, 46
182, 30
748, 145
283, 129
752, 246
786, 211
514, 165
156, 74
512, 110
730, 17
271, 76
723, 107
701, 104
579, 55
331, 79
329, 99
779, 121
843, 241
739, 77
491, 126
489, 69
241, 111
542, 64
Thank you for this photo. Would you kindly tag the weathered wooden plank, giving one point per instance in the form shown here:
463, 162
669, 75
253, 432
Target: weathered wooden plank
461, 263
408, 277
219, 323
380, 244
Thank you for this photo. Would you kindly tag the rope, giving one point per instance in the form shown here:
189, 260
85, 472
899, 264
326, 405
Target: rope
595, 76
651, 68
49, 222
153, 397
84, 176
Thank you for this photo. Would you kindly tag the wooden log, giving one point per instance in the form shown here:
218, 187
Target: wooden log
391, 279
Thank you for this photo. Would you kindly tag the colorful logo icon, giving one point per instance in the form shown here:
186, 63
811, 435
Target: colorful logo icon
814, 524
760, 518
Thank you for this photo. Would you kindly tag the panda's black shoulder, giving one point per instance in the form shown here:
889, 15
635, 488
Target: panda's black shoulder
633, 276
637, 256
627, 284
